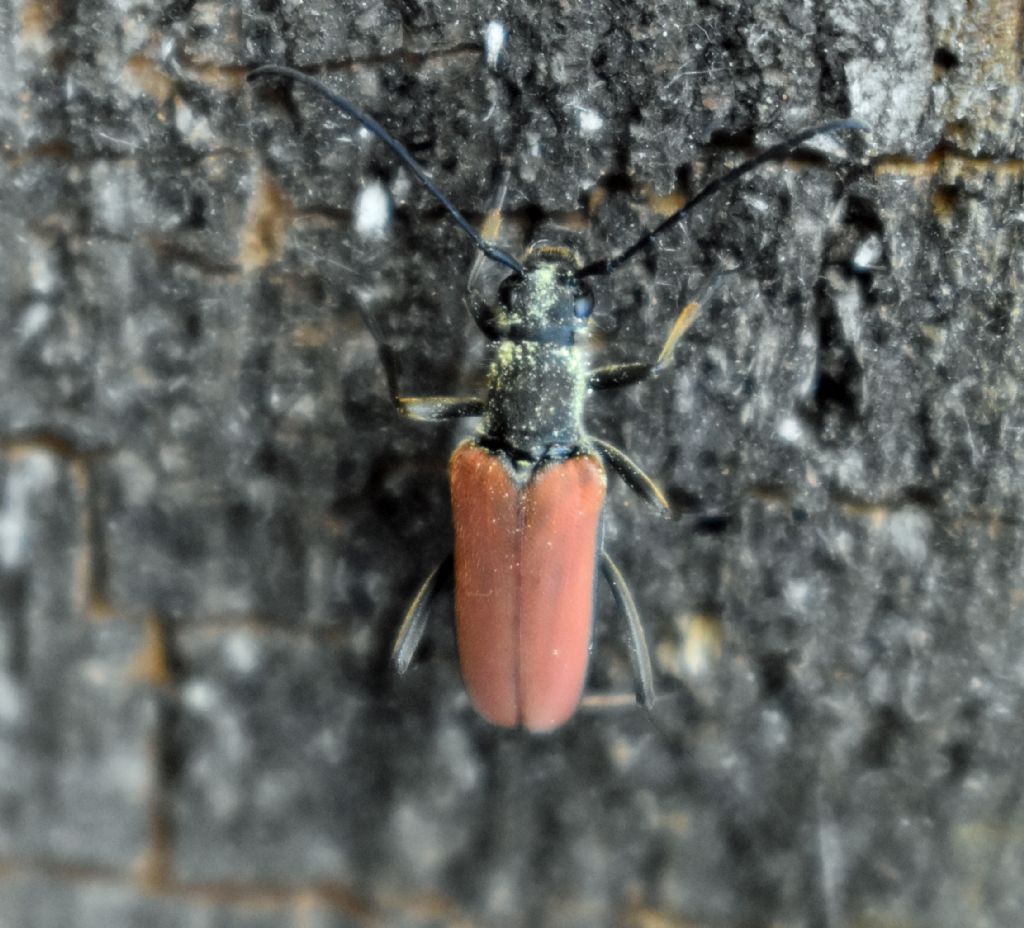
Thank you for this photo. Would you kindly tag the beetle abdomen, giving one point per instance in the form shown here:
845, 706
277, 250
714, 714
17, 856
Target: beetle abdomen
525, 555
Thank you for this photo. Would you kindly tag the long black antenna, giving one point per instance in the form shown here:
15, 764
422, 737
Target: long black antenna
491, 251
607, 265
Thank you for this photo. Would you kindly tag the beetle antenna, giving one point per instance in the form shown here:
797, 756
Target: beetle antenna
491, 251
776, 152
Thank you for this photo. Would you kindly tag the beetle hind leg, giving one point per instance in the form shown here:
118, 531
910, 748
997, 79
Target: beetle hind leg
639, 656
415, 622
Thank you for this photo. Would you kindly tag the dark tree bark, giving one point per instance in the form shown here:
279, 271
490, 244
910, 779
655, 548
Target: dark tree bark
211, 519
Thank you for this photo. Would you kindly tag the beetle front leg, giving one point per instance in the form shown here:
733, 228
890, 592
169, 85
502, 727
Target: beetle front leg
476, 301
623, 375
639, 656
415, 622
489, 230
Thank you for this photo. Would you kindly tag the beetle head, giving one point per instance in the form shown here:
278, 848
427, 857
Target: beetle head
547, 302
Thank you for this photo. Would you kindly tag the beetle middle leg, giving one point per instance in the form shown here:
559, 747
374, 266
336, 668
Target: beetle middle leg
433, 409
439, 408
632, 475
639, 656
623, 375
418, 408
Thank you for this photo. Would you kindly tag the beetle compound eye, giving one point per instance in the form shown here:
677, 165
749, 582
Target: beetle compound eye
583, 306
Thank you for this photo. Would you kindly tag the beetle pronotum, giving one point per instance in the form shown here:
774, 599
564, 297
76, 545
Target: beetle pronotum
528, 491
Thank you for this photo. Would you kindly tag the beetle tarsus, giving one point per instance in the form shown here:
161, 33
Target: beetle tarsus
640, 657
688, 316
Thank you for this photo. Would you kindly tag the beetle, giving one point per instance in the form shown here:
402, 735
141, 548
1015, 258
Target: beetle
528, 491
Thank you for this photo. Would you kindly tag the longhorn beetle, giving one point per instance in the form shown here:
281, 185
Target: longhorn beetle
528, 492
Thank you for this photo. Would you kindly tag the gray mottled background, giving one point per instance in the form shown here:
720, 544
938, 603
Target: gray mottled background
210, 518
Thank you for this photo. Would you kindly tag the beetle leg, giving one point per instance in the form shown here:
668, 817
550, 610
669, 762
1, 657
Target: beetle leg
415, 621
632, 475
489, 233
639, 656
419, 408
437, 408
426, 408
623, 375
476, 301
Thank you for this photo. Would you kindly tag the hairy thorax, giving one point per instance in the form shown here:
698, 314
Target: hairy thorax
535, 398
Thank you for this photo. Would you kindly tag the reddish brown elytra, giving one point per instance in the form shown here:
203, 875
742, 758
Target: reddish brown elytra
528, 492
525, 551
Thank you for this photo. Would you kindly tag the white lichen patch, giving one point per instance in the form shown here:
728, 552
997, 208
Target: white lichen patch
790, 430
373, 211
241, 653
495, 34
30, 478
590, 121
